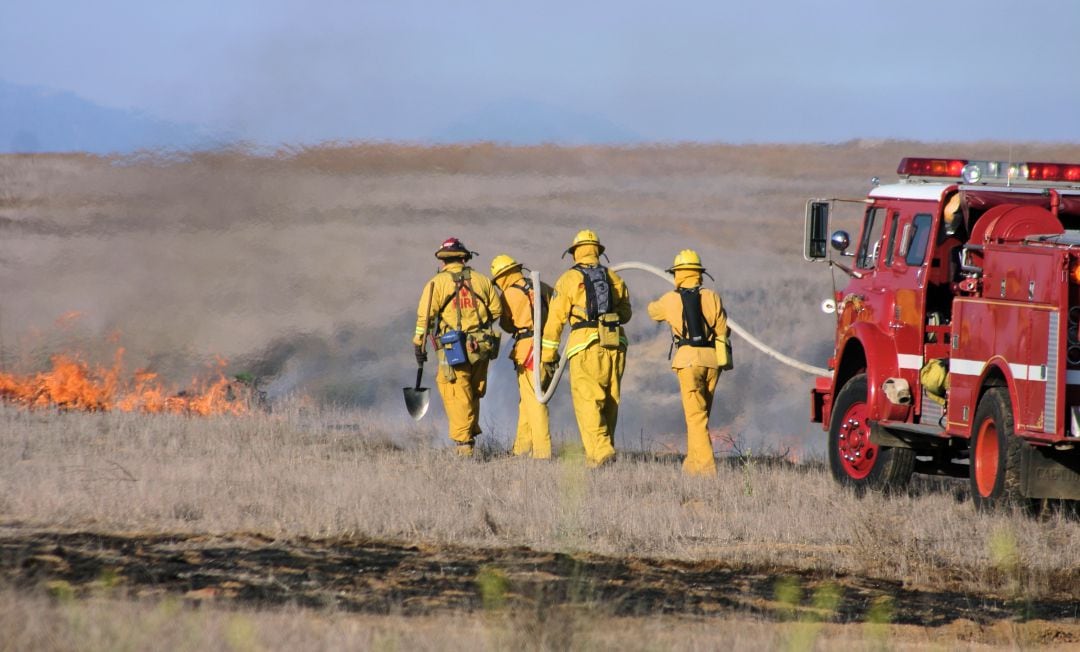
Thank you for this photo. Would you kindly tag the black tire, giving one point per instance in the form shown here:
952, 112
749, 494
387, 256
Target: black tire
994, 475
855, 461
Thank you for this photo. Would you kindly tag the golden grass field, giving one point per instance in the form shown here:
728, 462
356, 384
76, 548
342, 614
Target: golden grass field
303, 268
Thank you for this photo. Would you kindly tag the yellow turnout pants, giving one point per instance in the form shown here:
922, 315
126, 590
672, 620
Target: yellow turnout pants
595, 374
697, 385
533, 433
461, 398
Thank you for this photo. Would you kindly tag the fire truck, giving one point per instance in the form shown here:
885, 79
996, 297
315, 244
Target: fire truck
957, 349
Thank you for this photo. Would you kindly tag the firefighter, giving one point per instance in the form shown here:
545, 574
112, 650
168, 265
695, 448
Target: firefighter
699, 330
533, 435
463, 307
594, 301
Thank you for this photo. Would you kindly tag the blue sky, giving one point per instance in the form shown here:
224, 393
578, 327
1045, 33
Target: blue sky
766, 71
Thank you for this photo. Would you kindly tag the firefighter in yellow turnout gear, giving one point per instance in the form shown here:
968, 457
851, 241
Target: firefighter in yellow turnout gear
533, 433
463, 308
699, 330
594, 301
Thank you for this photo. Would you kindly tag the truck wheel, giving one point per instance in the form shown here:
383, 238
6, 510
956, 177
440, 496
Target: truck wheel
995, 454
854, 460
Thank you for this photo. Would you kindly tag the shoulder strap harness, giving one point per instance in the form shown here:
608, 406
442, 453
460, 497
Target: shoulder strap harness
461, 281
526, 288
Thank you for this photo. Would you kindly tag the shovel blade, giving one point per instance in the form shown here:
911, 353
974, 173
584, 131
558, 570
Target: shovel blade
417, 400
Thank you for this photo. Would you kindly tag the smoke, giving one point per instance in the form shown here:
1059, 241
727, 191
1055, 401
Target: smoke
304, 268
338, 369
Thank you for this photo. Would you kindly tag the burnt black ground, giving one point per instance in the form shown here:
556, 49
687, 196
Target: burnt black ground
384, 577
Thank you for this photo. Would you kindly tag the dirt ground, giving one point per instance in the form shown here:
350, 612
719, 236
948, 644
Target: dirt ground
383, 577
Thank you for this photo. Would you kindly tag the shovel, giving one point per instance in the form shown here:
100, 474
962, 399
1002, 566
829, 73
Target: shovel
418, 398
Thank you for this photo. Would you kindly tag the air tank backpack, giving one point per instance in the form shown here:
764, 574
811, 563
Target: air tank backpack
697, 332
599, 306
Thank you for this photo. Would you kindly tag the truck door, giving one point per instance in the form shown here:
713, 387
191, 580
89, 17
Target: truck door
901, 277
861, 302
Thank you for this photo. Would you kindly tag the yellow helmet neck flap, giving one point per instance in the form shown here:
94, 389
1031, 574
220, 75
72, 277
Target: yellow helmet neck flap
587, 254
509, 278
687, 278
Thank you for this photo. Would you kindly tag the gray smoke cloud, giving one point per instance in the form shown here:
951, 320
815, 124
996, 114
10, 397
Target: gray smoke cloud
304, 268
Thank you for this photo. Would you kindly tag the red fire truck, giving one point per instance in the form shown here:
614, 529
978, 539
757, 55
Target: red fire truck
957, 347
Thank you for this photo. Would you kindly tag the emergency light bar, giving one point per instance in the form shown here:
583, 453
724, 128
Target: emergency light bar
983, 171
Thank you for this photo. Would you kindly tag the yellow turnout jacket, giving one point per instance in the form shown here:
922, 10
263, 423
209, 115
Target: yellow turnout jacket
568, 306
517, 313
669, 308
478, 308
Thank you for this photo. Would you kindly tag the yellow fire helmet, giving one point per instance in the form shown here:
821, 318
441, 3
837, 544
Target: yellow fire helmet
503, 264
686, 259
583, 237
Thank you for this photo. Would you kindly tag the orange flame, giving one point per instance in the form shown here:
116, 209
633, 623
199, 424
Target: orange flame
72, 385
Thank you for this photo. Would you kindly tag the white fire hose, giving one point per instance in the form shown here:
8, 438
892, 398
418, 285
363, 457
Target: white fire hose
544, 397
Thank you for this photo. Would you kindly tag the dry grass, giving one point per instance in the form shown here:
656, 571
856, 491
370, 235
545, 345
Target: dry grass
304, 266
293, 475
103, 623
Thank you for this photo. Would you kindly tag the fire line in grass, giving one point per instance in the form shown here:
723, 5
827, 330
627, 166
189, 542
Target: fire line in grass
72, 384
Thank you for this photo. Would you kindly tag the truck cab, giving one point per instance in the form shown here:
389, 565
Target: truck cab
960, 296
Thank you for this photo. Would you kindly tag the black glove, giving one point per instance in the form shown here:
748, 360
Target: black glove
421, 354
549, 369
547, 373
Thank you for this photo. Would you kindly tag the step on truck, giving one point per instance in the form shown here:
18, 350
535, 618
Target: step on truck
957, 349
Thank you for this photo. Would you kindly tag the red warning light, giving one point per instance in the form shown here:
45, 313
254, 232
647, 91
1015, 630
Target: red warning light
931, 167
1053, 172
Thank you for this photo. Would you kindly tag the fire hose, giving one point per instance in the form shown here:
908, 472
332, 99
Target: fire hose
544, 397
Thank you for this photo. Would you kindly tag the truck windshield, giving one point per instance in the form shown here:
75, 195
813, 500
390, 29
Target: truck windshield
870, 245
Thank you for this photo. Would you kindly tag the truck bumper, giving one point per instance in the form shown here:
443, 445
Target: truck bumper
1049, 473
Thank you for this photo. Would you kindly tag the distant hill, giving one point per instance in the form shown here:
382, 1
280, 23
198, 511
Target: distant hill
527, 122
36, 119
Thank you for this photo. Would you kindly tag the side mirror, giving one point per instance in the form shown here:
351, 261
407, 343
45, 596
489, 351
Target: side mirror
840, 241
817, 225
